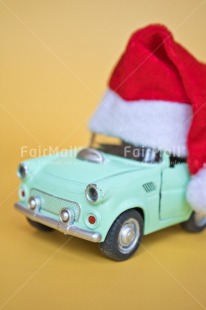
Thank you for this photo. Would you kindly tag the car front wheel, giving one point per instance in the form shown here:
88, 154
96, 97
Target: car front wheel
124, 236
196, 223
39, 226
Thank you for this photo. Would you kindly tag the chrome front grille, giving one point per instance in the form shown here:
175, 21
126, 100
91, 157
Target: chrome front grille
54, 204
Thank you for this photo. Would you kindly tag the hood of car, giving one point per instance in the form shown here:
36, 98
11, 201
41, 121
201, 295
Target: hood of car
74, 169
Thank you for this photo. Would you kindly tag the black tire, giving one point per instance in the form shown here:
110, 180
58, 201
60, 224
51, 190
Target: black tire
193, 224
128, 225
39, 226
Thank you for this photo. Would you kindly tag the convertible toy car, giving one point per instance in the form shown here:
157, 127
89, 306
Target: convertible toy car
109, 193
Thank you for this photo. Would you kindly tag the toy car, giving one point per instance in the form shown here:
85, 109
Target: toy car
109, 193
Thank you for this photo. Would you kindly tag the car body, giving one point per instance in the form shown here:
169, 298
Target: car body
55, 192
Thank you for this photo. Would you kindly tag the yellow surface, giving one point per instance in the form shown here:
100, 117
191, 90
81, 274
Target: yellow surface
55, 58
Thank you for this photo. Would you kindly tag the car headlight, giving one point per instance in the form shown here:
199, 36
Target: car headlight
22, 171
92, 193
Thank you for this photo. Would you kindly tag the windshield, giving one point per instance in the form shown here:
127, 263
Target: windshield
115, 146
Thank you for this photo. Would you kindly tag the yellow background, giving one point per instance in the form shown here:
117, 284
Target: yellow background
55, 59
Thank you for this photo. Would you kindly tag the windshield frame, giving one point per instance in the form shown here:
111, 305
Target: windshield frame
126, 150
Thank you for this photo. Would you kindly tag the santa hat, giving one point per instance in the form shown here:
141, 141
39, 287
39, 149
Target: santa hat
157, 98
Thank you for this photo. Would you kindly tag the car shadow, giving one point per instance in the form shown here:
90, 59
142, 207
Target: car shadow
79, 249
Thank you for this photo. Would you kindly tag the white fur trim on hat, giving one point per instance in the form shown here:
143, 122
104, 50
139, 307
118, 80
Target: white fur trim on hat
155, 123
196, 193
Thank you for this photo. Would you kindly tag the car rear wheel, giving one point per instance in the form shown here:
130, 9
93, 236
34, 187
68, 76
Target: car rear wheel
124, 236
39, 226
196, 223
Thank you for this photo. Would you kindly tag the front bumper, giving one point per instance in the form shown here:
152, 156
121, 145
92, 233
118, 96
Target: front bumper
58, 225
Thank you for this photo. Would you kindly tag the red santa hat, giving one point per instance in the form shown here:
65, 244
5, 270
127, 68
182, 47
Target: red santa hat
157, 98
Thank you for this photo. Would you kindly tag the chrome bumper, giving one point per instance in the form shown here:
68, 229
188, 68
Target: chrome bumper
66, 229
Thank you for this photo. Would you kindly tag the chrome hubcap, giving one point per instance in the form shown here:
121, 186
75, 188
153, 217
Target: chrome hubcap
128, 236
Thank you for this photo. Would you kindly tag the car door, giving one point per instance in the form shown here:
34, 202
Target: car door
173, 191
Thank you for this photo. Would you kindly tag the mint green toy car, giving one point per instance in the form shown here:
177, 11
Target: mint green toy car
110, 193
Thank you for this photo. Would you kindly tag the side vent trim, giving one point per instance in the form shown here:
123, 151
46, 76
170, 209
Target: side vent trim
149, 187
